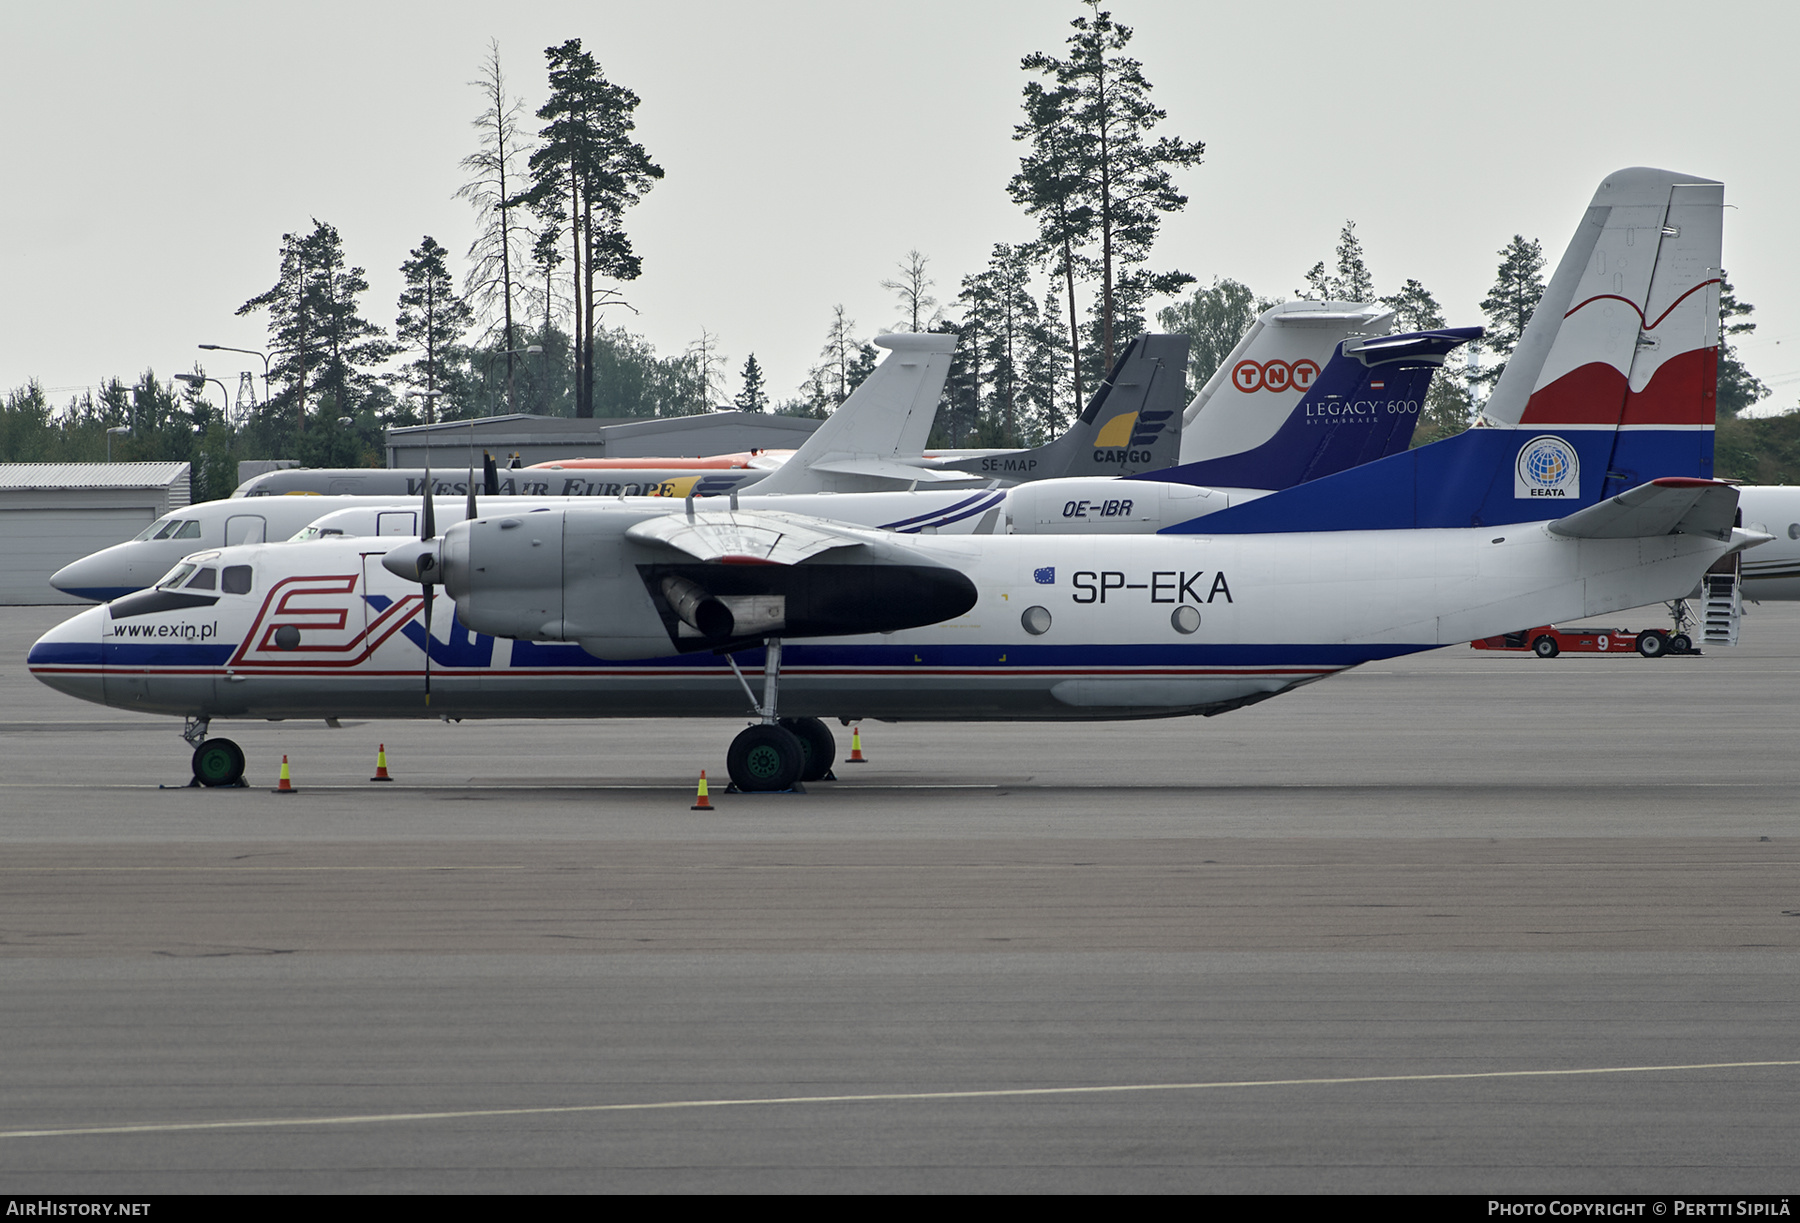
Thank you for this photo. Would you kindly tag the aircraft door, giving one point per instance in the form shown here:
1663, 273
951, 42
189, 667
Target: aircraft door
397, 522
246, 529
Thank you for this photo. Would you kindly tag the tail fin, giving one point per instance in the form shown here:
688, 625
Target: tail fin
1244, 402
1612, 385
884, 423
1132, 424
1362, 406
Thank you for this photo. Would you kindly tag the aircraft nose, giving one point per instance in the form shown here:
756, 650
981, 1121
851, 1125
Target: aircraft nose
67, 658
104, 575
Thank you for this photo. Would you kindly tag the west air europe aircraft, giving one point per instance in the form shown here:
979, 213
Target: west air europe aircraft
1586, 493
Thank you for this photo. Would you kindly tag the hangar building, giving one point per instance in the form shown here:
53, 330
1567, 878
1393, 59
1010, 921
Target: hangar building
54, 513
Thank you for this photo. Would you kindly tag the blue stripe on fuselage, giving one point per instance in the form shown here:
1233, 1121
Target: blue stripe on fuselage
1463, 481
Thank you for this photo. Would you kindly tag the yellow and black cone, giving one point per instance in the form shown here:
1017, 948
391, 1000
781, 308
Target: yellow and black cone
701, 803
856, 756
381, 773
285, 785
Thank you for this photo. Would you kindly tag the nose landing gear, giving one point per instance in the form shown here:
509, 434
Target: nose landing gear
217, 762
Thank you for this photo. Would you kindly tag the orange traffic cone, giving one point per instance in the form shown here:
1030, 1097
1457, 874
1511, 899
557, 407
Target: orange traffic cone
284, 786
700, 800
381, 773
856, 756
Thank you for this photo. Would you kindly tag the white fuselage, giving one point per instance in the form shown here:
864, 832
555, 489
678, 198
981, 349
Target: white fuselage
1772, 572
1137, 626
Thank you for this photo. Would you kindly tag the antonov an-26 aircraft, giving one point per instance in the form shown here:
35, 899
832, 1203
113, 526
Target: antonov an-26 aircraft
1586, 494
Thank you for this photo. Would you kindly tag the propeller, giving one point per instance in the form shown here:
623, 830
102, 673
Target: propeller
418, 562
427, 564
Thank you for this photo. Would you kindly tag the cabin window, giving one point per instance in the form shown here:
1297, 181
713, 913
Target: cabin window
236, 580
206, 579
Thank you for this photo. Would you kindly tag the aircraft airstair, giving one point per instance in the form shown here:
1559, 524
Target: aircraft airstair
1722, 603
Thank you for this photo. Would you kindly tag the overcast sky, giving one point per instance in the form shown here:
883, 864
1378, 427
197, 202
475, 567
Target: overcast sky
157, 152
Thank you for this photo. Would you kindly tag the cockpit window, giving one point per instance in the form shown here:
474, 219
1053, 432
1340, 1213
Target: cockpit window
177, 576
206, 579
303, 534
150, 531
236, 580
189, 530
168, 528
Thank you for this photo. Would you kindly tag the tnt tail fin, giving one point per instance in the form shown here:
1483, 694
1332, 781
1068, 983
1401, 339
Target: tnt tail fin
1612, 385
1363, 406
1274, 364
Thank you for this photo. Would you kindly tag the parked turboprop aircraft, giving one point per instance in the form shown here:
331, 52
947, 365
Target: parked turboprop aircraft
609, 610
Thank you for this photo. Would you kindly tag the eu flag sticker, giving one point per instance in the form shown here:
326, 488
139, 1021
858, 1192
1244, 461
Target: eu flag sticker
1045, 576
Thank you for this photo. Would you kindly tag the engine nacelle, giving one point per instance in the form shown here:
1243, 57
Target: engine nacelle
573, 575
1080, 506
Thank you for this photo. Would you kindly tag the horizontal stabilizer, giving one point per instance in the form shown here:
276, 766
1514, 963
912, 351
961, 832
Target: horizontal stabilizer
744, 537
1671, 506
888, 469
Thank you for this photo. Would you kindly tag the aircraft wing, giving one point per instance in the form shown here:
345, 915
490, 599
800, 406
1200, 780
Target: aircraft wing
745, 537
1670, 506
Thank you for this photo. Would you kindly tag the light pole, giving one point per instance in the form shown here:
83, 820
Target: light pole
121, 430
197, 381
252, 352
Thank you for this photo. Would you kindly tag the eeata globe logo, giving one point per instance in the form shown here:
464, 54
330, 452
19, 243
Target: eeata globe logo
1547, 467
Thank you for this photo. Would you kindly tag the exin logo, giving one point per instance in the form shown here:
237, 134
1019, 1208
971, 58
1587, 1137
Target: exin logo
1250, 377
1547, 467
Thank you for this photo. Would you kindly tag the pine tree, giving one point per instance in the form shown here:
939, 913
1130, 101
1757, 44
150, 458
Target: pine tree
911, 290
432, 319
1354, 280
1518, 285
1738, 388
589, 165
1001, 328
498, 255
753, 398
707, 361
317, 338
1095, 179
1415, 309
847, 361
1352, 283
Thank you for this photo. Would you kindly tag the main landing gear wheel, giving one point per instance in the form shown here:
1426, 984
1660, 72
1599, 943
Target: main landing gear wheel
1652, 643
765, 758
1545, 647
219, 762
817, 743
1681, 643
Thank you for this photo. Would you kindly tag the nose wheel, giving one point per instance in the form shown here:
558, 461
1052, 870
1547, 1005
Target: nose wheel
219, 762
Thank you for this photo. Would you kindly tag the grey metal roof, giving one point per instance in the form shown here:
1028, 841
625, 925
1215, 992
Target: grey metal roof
91, 475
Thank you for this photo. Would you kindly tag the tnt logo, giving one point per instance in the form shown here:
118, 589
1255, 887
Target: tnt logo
1045, 576
1251, 376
